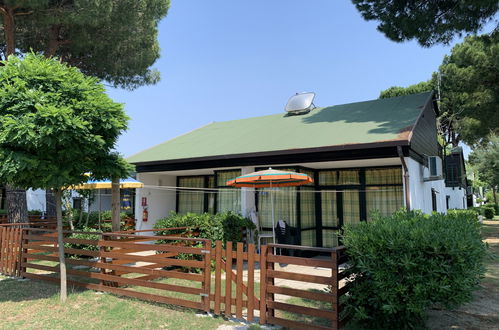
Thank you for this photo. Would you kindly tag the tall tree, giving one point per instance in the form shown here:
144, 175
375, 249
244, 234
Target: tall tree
114, 40
468, 91
56, 124
485, 159
430, 21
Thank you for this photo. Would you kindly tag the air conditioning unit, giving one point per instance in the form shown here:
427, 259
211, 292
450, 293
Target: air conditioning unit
434, 168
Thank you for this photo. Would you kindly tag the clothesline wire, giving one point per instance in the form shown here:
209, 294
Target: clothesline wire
230, 190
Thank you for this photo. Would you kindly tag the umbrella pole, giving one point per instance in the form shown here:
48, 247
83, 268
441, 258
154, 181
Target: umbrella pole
272, 206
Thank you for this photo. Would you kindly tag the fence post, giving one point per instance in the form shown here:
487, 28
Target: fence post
103, 260
207, 275
263, 284
24, 251
251, 281
218, 276
228, 279
2, 252
334, 290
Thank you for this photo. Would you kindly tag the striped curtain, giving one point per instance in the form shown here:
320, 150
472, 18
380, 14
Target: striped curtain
191, 200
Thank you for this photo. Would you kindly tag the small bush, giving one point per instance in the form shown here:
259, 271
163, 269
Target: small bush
224, 226
471, 213
88, 247
489, 211
407, 263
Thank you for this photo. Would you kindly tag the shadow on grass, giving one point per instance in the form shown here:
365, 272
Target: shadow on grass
16, 290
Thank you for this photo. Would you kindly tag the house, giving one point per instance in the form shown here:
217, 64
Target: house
375, 155
456, 185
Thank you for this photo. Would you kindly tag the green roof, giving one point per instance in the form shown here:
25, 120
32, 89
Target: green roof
378, 120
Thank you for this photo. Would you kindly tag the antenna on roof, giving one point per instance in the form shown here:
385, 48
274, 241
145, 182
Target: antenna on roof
300, 103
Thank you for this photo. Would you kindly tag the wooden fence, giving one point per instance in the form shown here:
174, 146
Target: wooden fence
178, 271
10, 245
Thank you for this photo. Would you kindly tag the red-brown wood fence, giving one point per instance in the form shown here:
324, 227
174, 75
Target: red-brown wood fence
178, 271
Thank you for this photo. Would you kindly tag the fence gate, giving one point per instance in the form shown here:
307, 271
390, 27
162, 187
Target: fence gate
10, 248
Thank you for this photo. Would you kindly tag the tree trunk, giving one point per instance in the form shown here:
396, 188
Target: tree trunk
60, 242
53, 42
17, 206
115, 204
494, 194
50, 204
9, 28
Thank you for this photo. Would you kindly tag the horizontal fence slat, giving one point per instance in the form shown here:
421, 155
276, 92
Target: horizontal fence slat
66, 250
344, 289
154, 259
128, 269
122, 292
298, 277
305, 248
157, 247
294, 324
300, 261
118, 279
313, 295
342, 275
302, 310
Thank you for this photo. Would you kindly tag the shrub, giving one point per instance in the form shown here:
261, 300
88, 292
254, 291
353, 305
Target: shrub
226, 226
409, 262
88, 247
471, 213
488, 211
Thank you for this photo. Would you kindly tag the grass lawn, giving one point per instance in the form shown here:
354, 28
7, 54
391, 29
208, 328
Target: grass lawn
35, 305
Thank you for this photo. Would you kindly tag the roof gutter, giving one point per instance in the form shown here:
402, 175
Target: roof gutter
406, 179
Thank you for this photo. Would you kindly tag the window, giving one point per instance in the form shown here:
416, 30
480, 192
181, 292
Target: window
190, 200
229, 198
384, 191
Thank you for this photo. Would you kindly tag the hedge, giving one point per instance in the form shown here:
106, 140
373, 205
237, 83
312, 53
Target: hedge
409, 262
225, 227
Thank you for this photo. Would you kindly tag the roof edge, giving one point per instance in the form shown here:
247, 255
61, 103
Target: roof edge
381, 144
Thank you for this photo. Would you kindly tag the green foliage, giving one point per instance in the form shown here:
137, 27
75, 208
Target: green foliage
424, 86
489, 210
409, 262
468, 213
114, 40
428, 22
469, 94
86, 233
469, 98
224, 226
485, 160
56, 124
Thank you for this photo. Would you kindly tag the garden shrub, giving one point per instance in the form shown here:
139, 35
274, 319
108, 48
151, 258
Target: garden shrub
88, 235
409, 262
488, 211
225, 227
471, 213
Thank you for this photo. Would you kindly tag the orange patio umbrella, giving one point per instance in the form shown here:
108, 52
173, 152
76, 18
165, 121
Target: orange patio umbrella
269, 179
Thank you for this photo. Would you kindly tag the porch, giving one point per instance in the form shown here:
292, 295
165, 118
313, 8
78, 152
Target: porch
343, 192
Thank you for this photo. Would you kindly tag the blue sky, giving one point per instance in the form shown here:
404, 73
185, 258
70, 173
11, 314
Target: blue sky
223, 60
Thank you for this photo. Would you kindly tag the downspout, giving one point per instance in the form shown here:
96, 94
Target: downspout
406, 179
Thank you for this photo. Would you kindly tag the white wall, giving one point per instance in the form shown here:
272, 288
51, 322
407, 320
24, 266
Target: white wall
420, 191
36, 199
457, 198
160, 201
